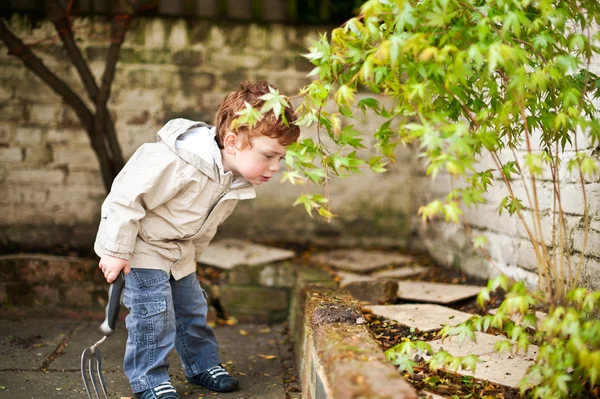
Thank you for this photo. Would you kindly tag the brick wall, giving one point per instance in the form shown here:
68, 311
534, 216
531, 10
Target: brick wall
509, 247
168, 68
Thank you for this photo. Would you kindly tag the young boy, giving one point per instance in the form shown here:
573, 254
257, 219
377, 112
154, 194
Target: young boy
163, 210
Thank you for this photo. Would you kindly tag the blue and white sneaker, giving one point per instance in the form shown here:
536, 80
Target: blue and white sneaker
216, 379
163, 391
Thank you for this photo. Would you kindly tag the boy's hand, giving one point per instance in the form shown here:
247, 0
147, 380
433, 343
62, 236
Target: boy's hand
111, 267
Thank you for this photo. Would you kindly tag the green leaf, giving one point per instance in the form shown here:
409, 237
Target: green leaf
503, 346
479, 242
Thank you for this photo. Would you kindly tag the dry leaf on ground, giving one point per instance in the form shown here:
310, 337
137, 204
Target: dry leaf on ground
268, 357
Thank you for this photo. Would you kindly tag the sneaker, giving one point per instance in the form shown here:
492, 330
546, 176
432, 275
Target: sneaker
163, 391
216, 379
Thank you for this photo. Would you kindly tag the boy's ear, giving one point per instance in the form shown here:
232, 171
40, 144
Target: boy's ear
229, 142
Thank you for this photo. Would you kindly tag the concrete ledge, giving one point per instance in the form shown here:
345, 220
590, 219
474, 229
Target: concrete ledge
337, 357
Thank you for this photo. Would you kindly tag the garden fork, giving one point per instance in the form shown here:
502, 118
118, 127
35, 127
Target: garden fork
91, 359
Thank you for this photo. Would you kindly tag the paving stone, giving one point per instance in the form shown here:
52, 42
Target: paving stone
516, 318
505, 368
28, 346
402, 272
361, 261
226, 254
435, 292
347, 278
423, 316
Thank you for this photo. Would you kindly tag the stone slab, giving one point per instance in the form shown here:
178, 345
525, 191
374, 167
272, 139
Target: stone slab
27, 346
516, 318
423, 316
349, 278
402, 272
226, 254
435, 292
357, 260
505, 368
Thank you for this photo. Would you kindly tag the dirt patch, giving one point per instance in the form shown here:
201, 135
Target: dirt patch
31, 341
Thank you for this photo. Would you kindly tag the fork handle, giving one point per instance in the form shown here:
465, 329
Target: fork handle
113, 306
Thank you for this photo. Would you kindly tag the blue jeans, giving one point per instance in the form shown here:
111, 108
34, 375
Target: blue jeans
165, 313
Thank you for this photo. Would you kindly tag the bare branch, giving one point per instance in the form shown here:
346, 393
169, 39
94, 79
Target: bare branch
17, 48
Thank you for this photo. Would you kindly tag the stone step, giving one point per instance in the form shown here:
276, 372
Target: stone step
226, 254
360, 261
500, 368
422, 316
435, 292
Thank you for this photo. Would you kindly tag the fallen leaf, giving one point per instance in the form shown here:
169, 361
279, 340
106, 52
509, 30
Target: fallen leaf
264, 330
231, 321
244, 332
268, 357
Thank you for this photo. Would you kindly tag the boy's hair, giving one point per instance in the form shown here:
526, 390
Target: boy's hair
268, 126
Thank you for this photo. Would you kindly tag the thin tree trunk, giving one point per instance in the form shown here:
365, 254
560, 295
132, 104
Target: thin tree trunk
103, 126
119, 27
17, 48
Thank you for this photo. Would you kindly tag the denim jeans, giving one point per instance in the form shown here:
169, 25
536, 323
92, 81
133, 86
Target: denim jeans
165, 313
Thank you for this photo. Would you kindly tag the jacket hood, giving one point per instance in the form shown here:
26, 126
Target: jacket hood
207, 158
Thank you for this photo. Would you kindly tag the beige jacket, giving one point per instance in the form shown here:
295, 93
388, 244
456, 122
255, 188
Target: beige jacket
164, 207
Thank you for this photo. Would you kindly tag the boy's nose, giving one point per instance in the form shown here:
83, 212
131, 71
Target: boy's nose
274, 167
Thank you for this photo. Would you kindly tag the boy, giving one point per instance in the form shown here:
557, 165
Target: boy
163, 210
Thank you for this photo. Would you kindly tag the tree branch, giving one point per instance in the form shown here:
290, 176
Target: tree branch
17, 48
58, 16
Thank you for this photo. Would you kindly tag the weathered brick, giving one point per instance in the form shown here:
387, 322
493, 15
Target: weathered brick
46, 294
572, 198
47, 176
187, 58
277, 38
3, 294
14, 111
376, 292
197, 81
154, 33
6, 93
45, 114
55, 270
593, 241
246, 298
590, 276
178, 37
258, 35
525, 256
7, 132
16, 194
11, 154
75, 158
19, 294
28, 135
68, 136
40, 155
84, 178
277, 275
80, 295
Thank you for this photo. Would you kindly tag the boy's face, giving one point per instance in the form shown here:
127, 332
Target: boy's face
258, 163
